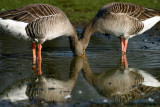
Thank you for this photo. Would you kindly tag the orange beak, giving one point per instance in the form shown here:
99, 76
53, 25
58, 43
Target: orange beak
83, 53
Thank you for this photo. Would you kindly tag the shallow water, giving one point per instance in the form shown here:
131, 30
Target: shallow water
97, 79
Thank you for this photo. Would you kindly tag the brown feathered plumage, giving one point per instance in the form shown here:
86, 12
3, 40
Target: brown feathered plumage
138, 12
31, 12
124, 20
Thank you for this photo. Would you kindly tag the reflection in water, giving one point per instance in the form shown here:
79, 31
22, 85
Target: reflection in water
49, 89
122, 84
46, 89
15, 93
35, 69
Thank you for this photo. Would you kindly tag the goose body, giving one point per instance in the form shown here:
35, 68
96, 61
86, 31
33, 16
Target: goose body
122, 83
123, 20
38, 23
35, 16
41, 88
48, 28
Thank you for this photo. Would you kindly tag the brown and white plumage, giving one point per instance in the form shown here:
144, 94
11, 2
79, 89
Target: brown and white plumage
122, 83
31, 12
27, 15
123, 20
52, 89
45, 89
39, 22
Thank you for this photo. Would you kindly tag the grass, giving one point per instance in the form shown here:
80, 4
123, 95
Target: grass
78, 11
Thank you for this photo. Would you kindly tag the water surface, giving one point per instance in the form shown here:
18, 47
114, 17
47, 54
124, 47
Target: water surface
68, 80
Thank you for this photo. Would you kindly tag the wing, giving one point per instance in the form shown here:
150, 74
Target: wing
132, 10
31, 12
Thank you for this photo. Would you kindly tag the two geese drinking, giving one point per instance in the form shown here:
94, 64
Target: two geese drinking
41, 22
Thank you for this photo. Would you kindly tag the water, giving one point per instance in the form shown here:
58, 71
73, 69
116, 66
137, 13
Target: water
97, 79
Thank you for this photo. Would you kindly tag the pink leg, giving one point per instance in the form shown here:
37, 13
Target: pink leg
124, 44
34, 52
34, 69
39, 68
39, 59
124, 62
39, 48
39, 71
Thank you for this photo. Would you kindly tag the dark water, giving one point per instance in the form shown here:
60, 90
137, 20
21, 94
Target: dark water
97, 79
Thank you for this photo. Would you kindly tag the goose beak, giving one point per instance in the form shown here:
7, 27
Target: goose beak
83, 53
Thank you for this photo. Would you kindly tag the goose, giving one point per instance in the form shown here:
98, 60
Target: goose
52, 89
122, 83
44, 88
124, 20
39, 23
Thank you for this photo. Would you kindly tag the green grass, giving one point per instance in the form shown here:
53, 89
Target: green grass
78, 11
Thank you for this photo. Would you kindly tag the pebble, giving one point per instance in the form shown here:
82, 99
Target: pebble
150, 99
105, 100
80, 92
144, 47
67, 96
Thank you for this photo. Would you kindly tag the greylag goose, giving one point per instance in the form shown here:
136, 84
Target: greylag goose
52, 89
123, 20
44, 88
39, 23
122, 83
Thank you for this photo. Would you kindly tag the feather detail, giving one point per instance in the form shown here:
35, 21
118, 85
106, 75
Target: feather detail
13, 28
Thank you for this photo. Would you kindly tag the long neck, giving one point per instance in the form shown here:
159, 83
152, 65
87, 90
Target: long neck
78, 46
73, 37
87, 32
75, 44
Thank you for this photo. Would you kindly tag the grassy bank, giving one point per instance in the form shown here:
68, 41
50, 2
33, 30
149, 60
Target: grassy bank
78, 11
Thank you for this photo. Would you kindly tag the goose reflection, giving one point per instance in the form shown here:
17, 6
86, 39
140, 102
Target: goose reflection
42, 88
123, 83
50, 89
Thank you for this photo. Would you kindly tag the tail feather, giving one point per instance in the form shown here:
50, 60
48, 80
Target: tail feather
13, 28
